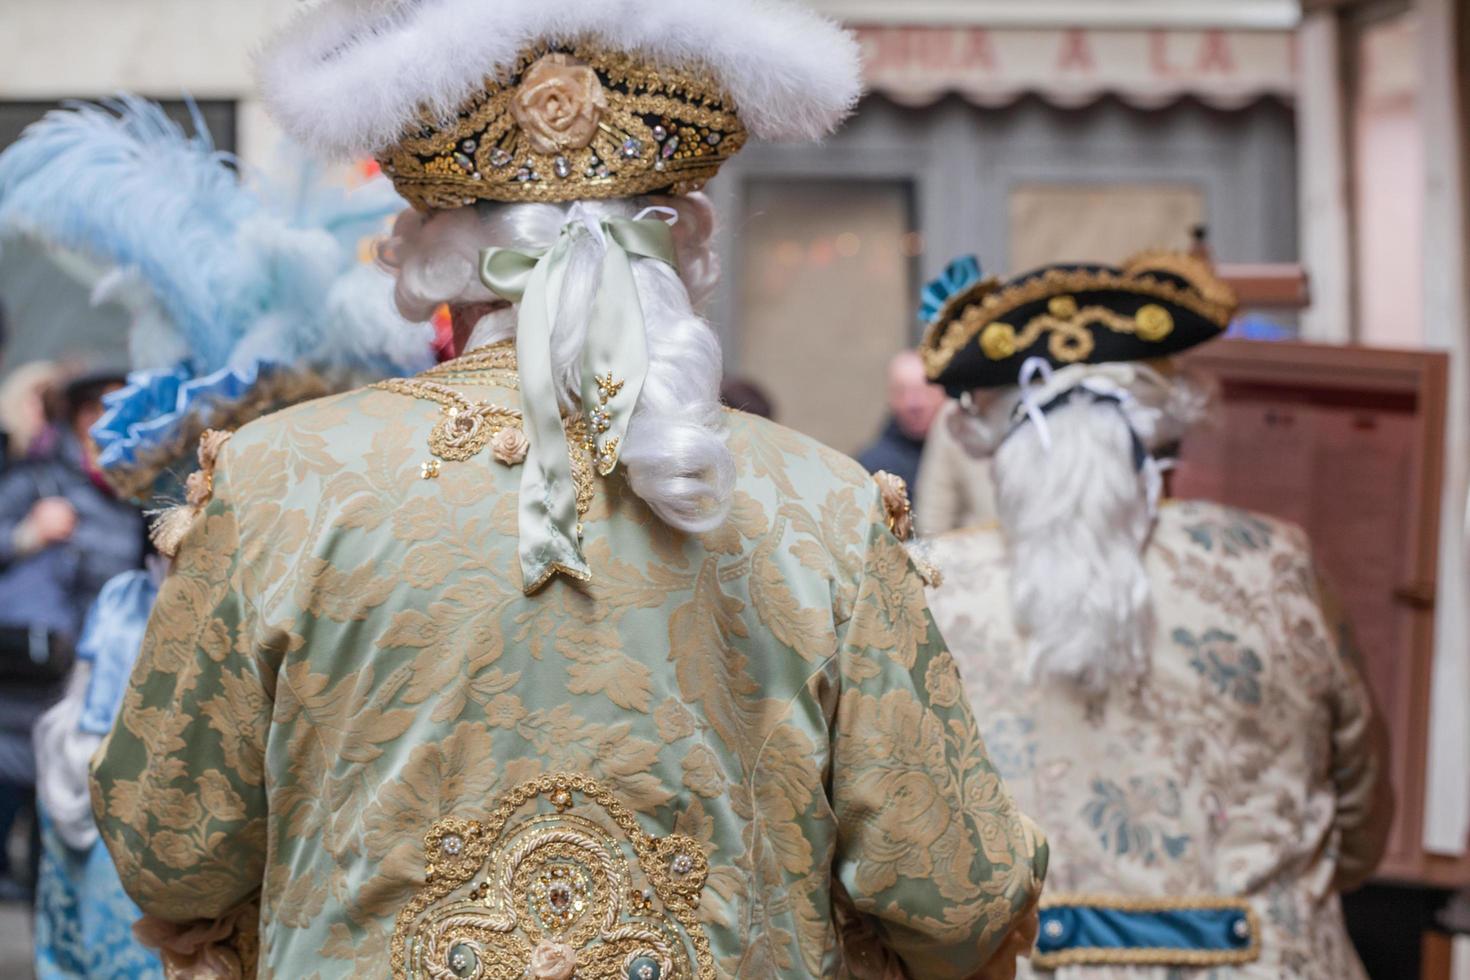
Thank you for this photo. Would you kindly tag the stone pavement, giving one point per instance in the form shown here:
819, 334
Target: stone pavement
15, 942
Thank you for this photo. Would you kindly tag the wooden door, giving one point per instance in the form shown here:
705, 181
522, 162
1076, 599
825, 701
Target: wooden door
1347, 443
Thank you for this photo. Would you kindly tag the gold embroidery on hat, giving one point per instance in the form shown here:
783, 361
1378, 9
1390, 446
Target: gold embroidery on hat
967, 314
555, 895
569, 124
998, 341
1153, 322
1069, 337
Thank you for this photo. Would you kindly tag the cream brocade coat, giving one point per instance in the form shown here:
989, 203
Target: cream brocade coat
760, 725
1243, 766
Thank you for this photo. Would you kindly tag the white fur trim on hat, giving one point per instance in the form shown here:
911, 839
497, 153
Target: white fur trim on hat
350, 76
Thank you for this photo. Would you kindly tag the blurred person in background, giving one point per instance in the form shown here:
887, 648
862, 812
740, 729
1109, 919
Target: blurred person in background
63, 531
63, 534
913, 404
955, 488
1169, 689
745, 395
29, 398
311, 318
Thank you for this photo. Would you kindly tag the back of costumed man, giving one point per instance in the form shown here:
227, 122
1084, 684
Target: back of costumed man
1166, 686
242, 297
540, 663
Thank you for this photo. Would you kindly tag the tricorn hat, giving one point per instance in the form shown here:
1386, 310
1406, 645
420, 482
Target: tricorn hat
1155, 305
555, 100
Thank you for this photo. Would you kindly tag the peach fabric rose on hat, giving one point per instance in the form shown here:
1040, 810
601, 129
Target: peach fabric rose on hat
553, 961
558, 104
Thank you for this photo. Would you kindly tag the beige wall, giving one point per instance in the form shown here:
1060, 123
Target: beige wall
1105, 223
825, 301
53, 49
1388, 197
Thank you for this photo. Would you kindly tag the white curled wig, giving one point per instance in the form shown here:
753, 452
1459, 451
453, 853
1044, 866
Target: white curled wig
675, 454
1077, 511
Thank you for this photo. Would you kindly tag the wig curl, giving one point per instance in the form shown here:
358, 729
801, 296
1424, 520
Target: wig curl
675, 451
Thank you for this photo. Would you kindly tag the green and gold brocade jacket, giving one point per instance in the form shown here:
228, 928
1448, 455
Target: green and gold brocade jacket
713, 759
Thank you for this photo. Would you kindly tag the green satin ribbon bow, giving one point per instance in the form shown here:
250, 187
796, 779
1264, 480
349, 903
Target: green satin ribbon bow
614, 367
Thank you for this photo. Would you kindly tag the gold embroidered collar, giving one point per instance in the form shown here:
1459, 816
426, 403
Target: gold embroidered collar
493, 365
465, 427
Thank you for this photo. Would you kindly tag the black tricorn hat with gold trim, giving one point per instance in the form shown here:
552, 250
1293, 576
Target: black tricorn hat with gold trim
1155, 305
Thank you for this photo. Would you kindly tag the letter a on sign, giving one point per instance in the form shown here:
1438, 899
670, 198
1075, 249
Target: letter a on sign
1076, 52
1215, 54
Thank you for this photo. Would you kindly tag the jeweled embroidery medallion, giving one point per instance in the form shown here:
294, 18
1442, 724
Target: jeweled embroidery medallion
560, 882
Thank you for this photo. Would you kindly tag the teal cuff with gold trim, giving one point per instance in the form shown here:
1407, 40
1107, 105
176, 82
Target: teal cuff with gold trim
1087, 929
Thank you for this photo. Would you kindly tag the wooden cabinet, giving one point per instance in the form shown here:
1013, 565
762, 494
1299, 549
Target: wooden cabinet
1347, 442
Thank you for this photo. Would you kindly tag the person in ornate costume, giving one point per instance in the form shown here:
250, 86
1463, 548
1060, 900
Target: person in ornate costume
241, 302
542, 664
1168, 688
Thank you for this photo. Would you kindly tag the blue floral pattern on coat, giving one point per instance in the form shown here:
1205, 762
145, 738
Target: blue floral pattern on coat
1254, 712
1119, 815
1235, 532
84, 919
1011, 740
1230, 668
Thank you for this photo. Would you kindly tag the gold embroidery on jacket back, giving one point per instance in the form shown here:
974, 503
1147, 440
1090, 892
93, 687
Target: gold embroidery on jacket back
554, 895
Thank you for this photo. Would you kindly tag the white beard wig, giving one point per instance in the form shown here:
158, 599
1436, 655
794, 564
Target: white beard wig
674, 451
1077, 510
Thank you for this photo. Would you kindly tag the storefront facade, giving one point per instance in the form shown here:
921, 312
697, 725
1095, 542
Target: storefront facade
1021, 144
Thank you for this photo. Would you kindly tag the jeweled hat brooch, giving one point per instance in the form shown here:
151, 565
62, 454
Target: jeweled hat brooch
555, 100
980, 331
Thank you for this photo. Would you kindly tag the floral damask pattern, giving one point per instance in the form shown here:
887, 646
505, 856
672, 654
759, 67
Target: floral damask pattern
1242, 766
1121, 816
1229, 668
1232, 531
344, 658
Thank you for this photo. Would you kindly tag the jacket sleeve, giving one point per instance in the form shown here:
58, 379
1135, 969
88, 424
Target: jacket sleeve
178, 787
930, 844
1365, 804
17, 495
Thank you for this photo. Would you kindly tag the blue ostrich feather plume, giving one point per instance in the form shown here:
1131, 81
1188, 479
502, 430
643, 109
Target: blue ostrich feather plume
958, 276
230, 285
121, 183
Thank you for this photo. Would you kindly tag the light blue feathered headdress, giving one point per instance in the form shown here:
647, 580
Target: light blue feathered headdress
241, 303
957, 277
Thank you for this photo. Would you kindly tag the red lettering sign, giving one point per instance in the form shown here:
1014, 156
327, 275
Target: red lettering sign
1158, 55
978, 52
1215, 54
934, 49
1076, 52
